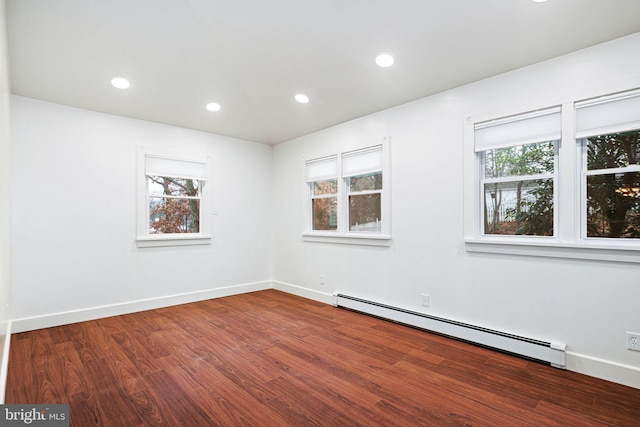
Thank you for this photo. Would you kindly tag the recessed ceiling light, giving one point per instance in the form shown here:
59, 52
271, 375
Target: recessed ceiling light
538, 1
213, 106
302, 98
120, 83
384, 60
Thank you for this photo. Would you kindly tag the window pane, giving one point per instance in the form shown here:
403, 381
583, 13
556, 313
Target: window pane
615, 150
162, 185
519, 208
367, 182
174, 215
329, 186
325, 213
521, 160
365, 212
613, 205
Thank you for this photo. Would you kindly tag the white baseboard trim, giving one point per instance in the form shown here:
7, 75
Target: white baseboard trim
604, 369
93, 313
4, 367
304, 292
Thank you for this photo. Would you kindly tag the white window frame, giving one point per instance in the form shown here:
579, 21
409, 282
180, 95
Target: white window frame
569, 206
321, 170
153, 161
536, 126
342, 234
601, 116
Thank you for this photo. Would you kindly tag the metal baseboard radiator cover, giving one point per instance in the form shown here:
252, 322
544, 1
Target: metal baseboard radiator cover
552, 353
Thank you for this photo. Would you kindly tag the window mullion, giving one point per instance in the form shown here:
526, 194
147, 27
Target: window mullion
567, 197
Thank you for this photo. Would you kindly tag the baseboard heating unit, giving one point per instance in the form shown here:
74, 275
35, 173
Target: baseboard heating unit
552, 353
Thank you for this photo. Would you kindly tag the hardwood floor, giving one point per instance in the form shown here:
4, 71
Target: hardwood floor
272, 359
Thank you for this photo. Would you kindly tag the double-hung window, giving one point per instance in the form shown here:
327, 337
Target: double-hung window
323, 186
608, 133
348, 197
575, 196
172, 200
517, 164
362, 174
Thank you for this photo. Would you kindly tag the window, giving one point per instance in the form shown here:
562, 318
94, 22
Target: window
362, 173
518, 163
348, 199
174, 205
171, 200
365, 202
608, 130
323, 184
536, 192
518, 190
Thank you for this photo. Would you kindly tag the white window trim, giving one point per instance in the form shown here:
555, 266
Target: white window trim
568, 241
342, 235
146, 240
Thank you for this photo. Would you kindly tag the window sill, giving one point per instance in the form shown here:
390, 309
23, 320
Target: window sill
348, 239
172, 240
604, 251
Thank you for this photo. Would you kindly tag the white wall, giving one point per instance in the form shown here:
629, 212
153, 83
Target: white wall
5, 207
587, 305
74, 255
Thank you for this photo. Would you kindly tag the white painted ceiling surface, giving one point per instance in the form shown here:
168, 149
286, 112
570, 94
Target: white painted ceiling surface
253, 56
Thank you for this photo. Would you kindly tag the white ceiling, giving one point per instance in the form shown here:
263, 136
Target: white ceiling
253, 56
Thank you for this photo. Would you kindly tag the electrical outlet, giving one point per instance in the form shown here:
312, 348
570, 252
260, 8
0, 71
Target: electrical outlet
322, 279
633, 341
425, 300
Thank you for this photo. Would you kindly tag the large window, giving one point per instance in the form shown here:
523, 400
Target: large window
608, 131
171, 200
518, 190
517, 158
348, 198
537, 190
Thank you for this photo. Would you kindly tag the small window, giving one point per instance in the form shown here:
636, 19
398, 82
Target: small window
362, 172
174, 205
348, 200
323, 189
172, 199
324, 204
365, 202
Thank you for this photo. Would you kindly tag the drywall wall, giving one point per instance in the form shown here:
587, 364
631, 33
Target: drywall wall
74, 254
5, 206
587, 305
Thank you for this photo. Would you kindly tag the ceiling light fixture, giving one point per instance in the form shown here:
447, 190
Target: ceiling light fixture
384, 60
213, 106
538, 1
302, 98
120, 83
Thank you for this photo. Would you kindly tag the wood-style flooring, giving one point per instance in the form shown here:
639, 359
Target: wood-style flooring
272, 359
